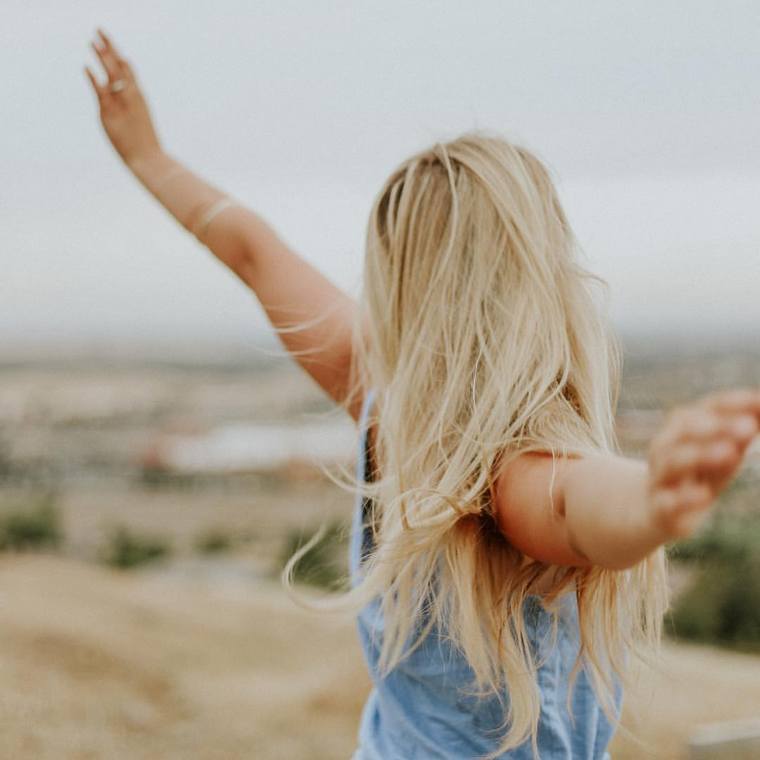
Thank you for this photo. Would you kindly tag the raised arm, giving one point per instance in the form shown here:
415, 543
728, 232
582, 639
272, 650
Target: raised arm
613, 511
290, 290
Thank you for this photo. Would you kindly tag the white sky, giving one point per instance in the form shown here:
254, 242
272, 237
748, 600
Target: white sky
647, 112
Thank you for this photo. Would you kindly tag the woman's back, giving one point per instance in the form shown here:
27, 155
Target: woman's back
422, 708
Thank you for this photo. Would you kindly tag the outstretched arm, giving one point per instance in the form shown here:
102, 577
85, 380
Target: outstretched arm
613, 511
290, 290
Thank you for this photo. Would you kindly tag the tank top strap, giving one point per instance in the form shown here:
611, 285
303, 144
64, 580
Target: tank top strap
367, 476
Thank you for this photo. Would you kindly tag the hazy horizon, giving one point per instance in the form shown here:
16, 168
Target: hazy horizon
262, 346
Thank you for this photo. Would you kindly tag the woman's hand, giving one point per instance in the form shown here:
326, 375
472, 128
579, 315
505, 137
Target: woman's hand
696, 454
123, 110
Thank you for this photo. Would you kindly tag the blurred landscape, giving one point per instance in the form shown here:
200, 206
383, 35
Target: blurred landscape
157, 468
147, 504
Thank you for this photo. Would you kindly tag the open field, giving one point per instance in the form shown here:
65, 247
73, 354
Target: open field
98, 664
203, 655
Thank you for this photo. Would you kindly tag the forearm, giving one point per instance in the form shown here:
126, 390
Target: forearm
314, 318
290, 290
189, 198
607, 510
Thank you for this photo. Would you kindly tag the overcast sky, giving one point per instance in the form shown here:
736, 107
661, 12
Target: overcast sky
648, 113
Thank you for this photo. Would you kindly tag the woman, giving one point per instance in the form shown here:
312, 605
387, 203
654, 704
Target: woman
505, 558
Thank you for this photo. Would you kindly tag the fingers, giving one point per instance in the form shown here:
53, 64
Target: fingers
697, 452
680, 509
127, 72
99, 89
701, 423
707, 439
108, 44
739, 400
123, 63
697, 460
115, 67
109, 64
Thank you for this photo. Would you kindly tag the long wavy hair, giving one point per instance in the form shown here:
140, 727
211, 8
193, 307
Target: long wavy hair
481, 336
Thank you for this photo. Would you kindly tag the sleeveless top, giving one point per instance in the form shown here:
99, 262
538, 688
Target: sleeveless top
422, 711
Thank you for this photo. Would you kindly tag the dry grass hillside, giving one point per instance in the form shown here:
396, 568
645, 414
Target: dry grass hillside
201, 655
100, 664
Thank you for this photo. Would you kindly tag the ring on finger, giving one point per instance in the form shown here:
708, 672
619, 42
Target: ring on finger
118, 85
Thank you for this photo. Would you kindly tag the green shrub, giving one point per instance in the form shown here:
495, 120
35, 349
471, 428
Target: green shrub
722, 604
727, 539
326, 563
126, 549
213, 542
34, 527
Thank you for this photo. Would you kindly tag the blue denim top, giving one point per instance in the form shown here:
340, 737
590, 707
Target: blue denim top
421, 710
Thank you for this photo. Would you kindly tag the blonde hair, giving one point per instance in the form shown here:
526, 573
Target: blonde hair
481, 337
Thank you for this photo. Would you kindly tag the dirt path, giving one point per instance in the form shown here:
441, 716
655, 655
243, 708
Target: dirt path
98, 664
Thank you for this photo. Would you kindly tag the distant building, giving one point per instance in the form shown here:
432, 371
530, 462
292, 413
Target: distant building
246, 448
